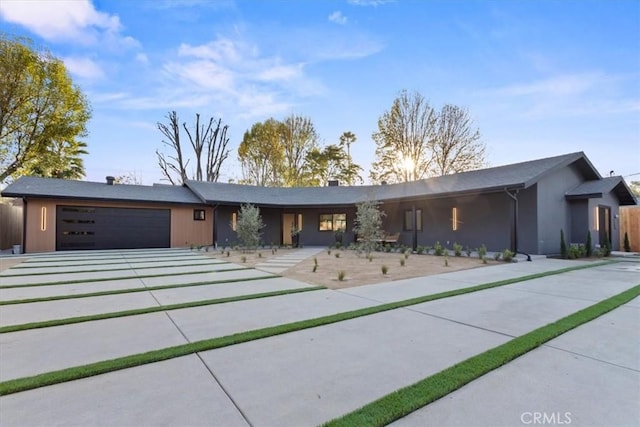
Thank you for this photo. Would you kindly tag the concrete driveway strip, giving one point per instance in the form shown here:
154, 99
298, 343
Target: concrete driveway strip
36, 351
24, 292
415, 287
587, 377
176, 392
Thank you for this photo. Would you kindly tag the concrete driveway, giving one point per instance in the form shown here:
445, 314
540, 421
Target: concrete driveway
310, 376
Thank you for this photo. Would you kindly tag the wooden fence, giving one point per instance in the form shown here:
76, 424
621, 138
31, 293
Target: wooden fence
630, 223
10, 226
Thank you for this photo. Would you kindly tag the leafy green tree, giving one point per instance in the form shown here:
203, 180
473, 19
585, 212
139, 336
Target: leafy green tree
634, 186
249, 225
261, 154
350, 173
42, 114
368, 225
329, 163
414, 141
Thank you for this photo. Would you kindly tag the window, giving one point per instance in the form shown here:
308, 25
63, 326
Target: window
408, 220
198, 215
332, 222
454, 219
234, 221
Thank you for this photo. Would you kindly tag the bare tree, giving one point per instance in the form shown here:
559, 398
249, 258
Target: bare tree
299, 137
457, 147
211, 137
405, 135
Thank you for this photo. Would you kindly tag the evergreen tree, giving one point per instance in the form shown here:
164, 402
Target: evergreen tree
563, 245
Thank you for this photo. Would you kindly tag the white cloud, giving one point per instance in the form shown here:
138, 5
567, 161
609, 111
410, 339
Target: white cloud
67, 20
338, 18
142, 58
83, 67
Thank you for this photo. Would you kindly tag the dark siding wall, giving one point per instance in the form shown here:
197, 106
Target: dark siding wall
553, 209
272, 232
485, 219
225, 236
312, 236
579, 211
528, 220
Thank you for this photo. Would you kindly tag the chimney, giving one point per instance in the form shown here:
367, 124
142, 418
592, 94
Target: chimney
333, 183
110, 180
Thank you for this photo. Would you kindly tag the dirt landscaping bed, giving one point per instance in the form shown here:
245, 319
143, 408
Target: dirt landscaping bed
358, 270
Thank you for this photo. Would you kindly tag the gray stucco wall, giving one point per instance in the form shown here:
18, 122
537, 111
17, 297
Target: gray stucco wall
528, 220
553, 208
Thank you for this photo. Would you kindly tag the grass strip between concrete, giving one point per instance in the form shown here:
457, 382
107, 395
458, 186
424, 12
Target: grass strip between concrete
402, 402
155, 309
103, 367
139, 256
132, 290
107, 279
100, 270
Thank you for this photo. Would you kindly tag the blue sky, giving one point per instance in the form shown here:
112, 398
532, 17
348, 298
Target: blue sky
540, 78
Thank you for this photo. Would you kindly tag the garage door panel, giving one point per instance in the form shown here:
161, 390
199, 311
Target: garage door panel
112, 228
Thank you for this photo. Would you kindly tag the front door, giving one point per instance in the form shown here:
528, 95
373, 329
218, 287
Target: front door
288, 223
604, 224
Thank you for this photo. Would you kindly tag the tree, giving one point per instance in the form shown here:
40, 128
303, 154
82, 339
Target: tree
414, 141
210, 139
456, 147
404, 139
261, 154
42, 114
249, 225
298, 137
130, 178
329, 163
634, 186
368, 225
352, 171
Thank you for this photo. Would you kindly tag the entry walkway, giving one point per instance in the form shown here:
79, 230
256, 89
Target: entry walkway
279, 264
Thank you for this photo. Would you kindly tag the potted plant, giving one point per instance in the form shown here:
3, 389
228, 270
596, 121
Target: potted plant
295, 236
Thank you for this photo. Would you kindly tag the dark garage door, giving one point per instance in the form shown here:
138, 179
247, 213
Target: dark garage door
81, 227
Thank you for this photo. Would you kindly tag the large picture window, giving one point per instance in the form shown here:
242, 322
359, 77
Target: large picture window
332, 222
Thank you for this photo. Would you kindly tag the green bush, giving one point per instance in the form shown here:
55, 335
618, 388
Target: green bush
446, 259
588, 245
341, 275
420, 250
482, 251
468, 251
384, 269
243, 258
563, 245
457, 249
401, 262
337, 254
507, 255
438, 250
427, 249
497, 256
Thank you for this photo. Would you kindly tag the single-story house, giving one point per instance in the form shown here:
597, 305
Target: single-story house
520, 206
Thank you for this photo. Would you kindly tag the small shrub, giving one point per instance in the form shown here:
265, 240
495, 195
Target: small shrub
206, 248
484, 260
457, 249
438, 250
328, 251
338, 245
401, 262
273, 251
588, 245
192, 246
482, 251
228, 253
599, 252
337, 254
243, 258
468, 251
259, 254
607, 245
406, 255
315, 261
341, 275
563, 245
427, 249
445, 252
507, 255
384, 269
420, 250
315, 267
497, 256
627, 245
370, 257
446, 260
387, 249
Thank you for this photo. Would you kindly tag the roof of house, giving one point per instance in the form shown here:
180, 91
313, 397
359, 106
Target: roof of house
509, 177
513, 176
597, 188
30, 186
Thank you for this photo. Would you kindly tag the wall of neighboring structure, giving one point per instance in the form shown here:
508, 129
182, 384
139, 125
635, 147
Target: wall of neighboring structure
184, 230
553, 208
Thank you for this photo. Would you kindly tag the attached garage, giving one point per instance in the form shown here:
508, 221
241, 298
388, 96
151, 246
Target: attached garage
91, 227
